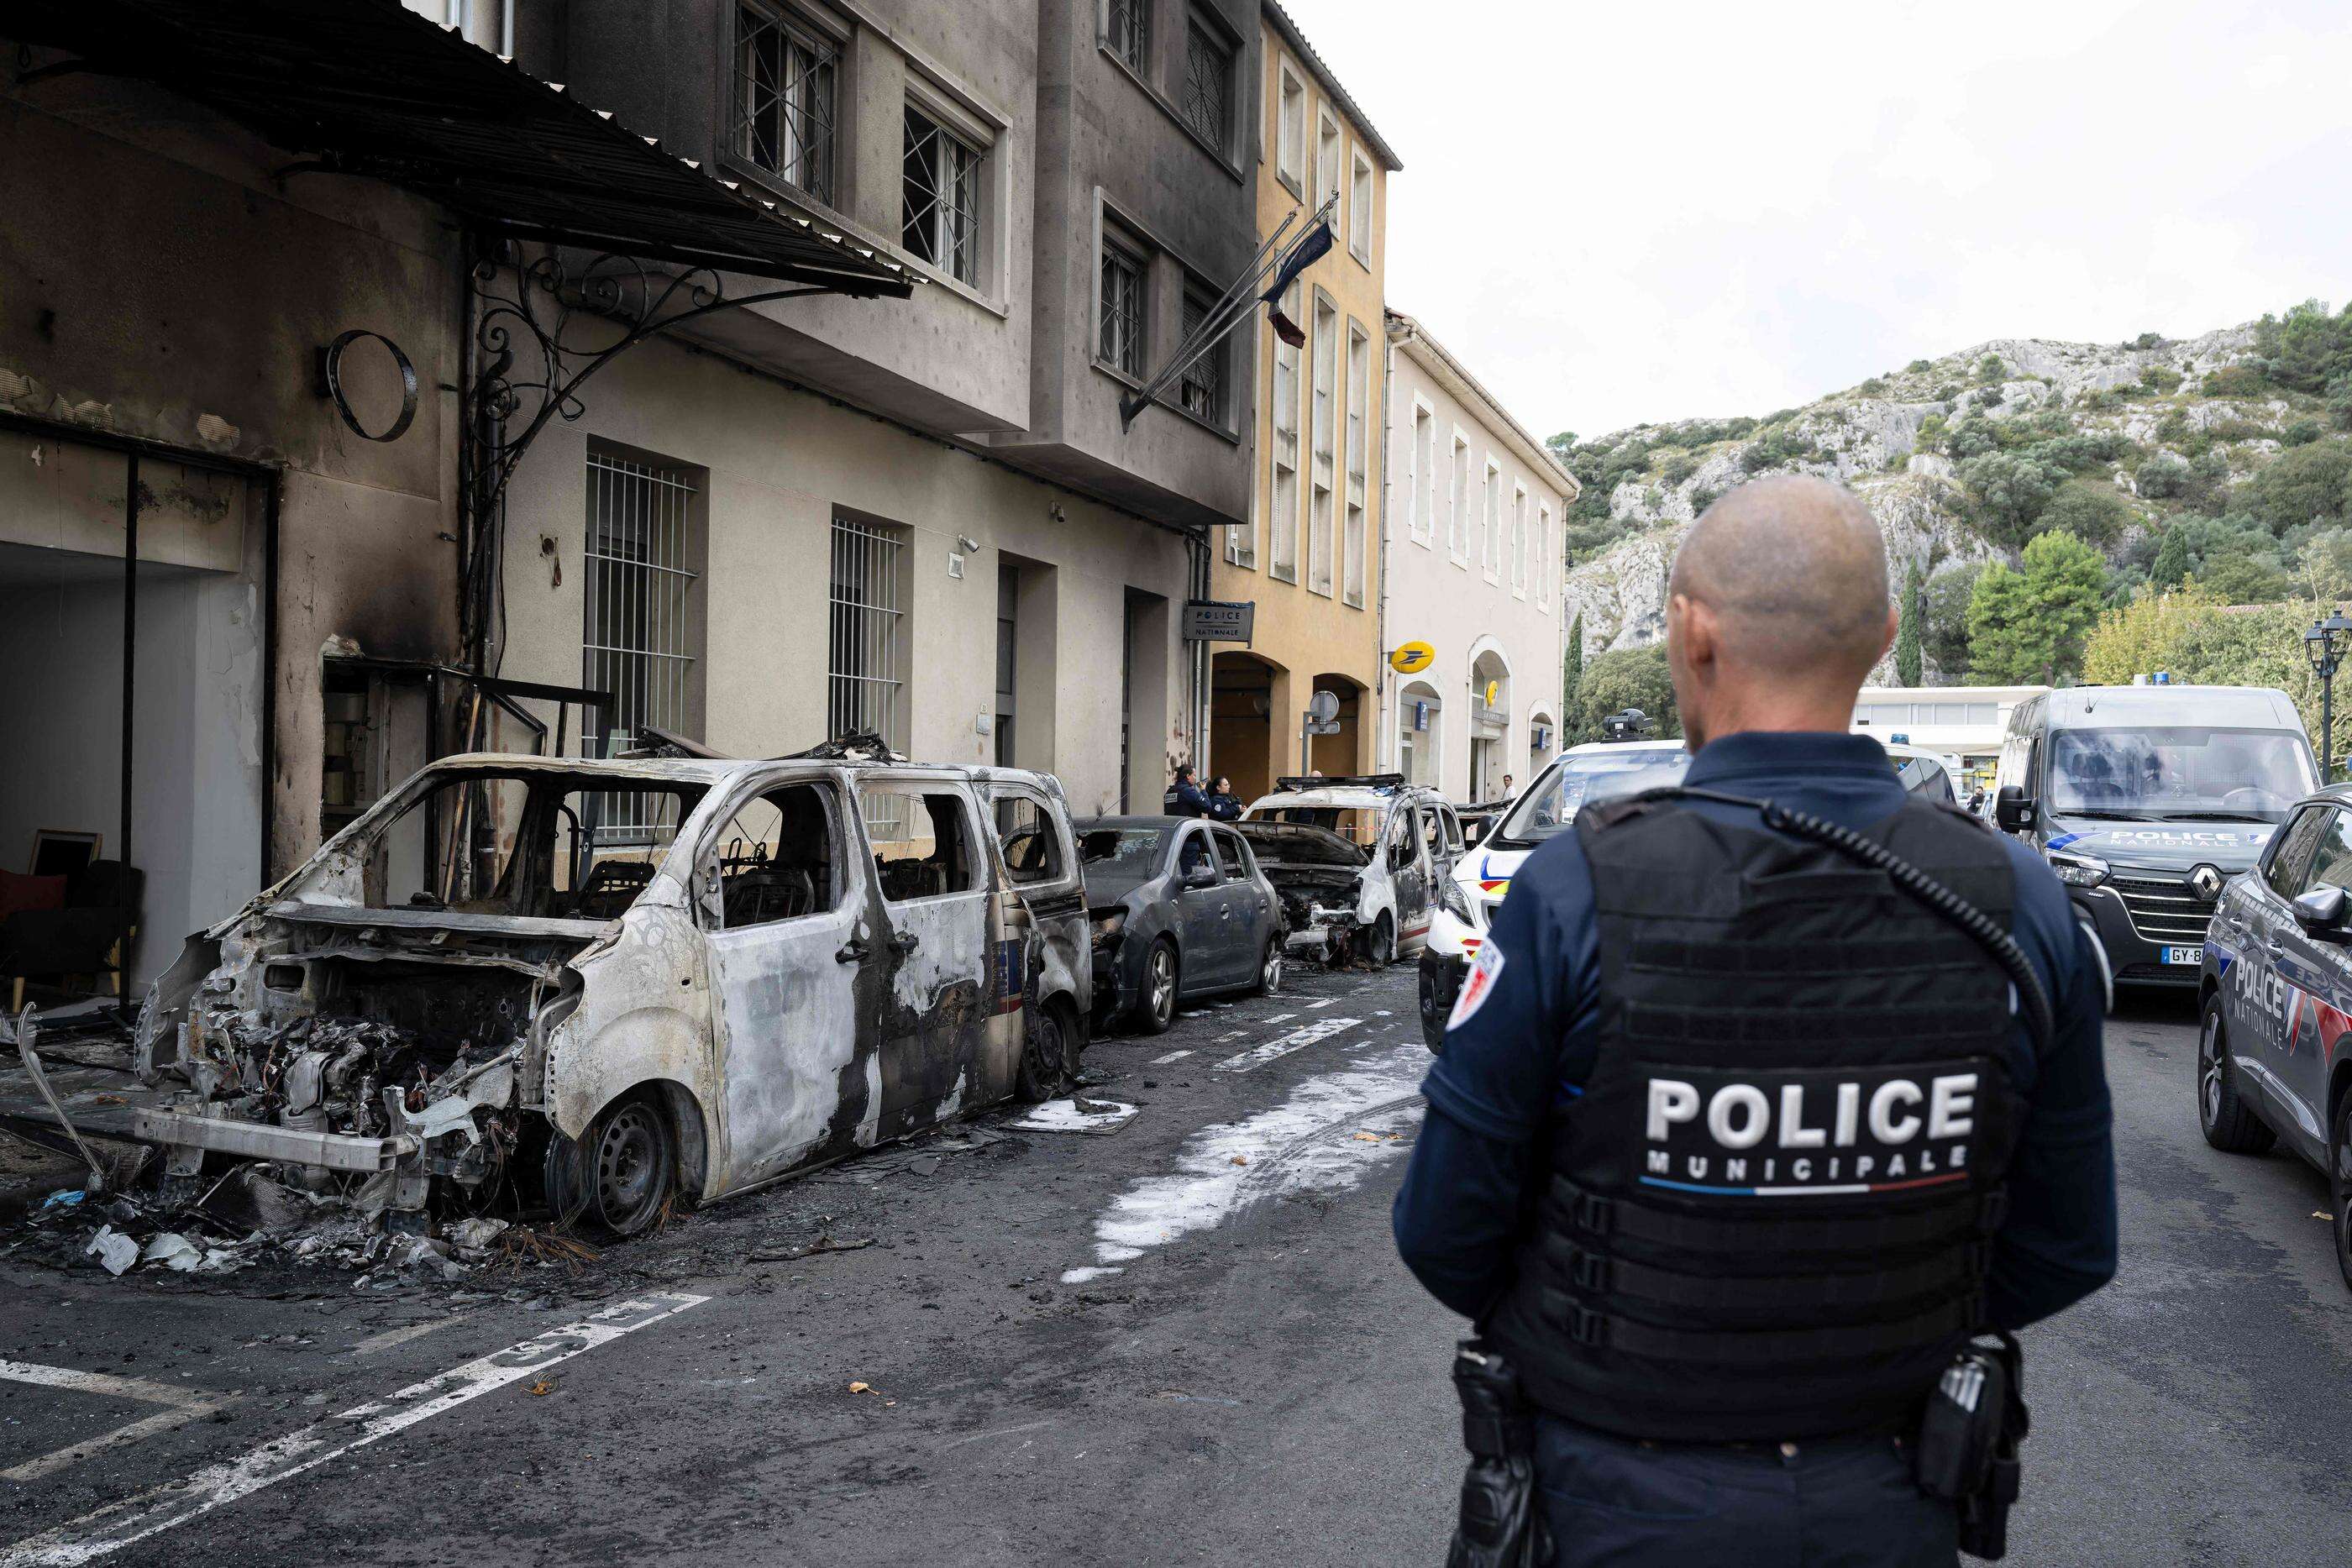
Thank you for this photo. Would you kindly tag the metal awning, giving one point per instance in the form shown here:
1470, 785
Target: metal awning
371, 88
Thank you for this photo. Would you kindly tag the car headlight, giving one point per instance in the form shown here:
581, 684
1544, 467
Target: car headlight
1457, 902
2078, 871
1107, 927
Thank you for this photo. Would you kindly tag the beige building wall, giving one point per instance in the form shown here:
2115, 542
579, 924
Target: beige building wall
771, 467
1477, 509
1314, 574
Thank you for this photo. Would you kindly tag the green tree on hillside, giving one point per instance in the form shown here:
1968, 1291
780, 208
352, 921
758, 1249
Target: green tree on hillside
1944, 621
1572, 666
2170, 568
2305, 486
1907, 629
1622, 678
2029, 625
2009, 491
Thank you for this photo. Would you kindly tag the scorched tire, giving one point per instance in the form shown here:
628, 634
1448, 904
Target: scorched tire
632, 1158
1044, 1051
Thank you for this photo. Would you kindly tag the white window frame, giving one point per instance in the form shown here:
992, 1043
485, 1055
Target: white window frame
1458, 518
1543, 556
1289, 130
1330, 139
1490, 521
1284, 461
1518, 540
1355, 532
1420, 472
1322, 401
1363, 184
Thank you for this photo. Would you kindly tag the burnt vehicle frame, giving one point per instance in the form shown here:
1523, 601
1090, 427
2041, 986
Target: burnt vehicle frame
1342, 899
743, 998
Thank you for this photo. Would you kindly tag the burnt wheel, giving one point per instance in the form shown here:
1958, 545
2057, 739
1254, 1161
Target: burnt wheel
1155, 1008
1380, 947
2229, 1123
2339, 1185
1044, 1053
632, 1156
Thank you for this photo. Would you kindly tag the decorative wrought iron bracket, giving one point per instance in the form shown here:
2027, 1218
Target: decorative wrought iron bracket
539, 326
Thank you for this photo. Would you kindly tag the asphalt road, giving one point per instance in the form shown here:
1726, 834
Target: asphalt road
1258, 1381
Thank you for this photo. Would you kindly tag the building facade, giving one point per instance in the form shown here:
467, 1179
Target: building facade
921, 518
1309, 556
1476, 506
284, 510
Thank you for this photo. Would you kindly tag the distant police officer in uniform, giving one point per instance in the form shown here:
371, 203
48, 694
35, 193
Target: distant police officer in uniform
1731, 1144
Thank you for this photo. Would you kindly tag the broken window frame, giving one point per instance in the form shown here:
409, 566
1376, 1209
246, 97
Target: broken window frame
884, 819
709, 856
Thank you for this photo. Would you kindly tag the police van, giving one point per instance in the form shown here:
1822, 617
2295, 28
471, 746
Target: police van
2145, 801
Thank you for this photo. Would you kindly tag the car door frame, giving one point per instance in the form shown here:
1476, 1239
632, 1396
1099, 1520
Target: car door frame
1042, 939
937, 974
2321, 978
795, 1047
1251, 909
1203, 919
2271, 927
1412, 888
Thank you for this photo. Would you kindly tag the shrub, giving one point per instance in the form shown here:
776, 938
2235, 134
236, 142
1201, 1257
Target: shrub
2188, 634
1990, 369
2308, 485
1679, 469
2160, 379
1931, 433
1944, 623
2161, 478
1917, 366
2308, 349
2091, 512
1948, 392
1622, 678
2301, 433
2008, 492
2145, 341
1873, 387
1992, 397
2234, 380
1972, 438
2236, 429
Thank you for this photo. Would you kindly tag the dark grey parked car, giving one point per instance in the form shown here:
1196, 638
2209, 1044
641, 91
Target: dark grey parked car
1179, 909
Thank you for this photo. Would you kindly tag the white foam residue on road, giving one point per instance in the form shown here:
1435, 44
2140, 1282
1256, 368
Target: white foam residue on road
1307, 1143
1081, 1276
1283, 1045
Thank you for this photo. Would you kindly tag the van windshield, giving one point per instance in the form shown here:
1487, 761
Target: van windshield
2178, 774
1580, 779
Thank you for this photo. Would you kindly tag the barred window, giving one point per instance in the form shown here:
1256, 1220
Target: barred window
785, 77
1122, 311
1203, 388
942, 198
1126, 30
866, 637
1208, 83
640, 627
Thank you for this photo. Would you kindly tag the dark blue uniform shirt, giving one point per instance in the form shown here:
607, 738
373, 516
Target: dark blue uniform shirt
1191, 801
1525, 1053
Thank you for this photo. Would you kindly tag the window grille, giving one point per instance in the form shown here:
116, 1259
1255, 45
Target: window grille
943, 199
1208, 83
639, 634
867, 690
1127, 28
1122, 311
1203, 387
785, 77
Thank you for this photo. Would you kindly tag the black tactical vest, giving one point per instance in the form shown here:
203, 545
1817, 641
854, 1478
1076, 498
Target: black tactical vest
1769, 1212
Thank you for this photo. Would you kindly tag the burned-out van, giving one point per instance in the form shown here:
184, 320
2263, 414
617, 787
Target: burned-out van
2145, 800
615, 983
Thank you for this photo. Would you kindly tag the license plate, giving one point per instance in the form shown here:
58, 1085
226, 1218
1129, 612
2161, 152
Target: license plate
2184, 955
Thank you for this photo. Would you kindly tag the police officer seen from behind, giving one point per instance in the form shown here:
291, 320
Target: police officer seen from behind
1732, 1144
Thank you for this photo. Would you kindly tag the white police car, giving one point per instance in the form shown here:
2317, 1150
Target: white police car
1467, 898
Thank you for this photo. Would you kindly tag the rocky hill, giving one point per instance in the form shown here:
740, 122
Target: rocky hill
1964, 458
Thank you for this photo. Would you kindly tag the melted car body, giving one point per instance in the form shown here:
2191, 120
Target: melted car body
520, 974
1356, 861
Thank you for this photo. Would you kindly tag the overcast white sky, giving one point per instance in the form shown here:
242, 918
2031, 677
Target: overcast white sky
1620, 213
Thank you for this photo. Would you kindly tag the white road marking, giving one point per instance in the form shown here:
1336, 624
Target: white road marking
182, 1405
1171, 1056
136, 1517
390, 1337
1381, 1013
1277, 1018
1323, 1002
1306, 1142
1305, 1035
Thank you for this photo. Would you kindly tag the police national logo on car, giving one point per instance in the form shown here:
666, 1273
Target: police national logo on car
1809, 1133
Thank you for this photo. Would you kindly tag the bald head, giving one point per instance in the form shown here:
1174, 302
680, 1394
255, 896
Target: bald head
1796, 574
1776, 608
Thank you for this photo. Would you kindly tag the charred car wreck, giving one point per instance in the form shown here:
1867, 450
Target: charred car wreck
1356, 861
611, 985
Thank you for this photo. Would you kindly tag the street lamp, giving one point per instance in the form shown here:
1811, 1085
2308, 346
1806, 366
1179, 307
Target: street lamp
2324, 645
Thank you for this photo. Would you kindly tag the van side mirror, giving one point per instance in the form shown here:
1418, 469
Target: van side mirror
2321, 911
2013, 810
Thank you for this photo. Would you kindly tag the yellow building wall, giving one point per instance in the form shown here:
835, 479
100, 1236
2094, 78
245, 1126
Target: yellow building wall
1303, 637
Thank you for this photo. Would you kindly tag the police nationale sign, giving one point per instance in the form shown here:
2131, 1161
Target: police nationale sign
1809, 1133
1220, 619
